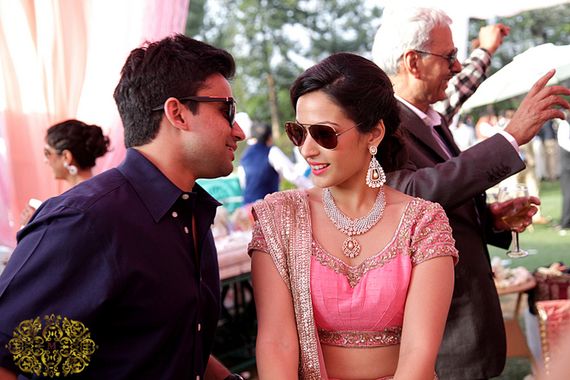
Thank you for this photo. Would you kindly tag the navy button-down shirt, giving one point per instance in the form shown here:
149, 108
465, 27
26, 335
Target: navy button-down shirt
116, 253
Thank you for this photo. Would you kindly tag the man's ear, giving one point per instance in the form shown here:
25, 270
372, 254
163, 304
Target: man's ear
377, 133
411, 61
173, 111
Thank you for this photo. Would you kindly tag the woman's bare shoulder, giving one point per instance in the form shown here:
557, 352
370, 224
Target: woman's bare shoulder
396, 197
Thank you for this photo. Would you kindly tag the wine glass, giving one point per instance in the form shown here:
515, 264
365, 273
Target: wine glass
517, 215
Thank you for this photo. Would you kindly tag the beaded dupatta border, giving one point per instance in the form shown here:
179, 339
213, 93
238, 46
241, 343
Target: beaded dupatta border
285, 220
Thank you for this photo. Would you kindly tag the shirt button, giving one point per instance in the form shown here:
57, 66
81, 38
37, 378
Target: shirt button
199, 326
185, 196
186, 230
174, 214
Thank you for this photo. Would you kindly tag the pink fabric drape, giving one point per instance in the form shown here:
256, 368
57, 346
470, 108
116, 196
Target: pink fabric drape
61, 59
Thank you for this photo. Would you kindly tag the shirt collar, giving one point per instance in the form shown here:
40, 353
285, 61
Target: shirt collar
431, 118
155, 190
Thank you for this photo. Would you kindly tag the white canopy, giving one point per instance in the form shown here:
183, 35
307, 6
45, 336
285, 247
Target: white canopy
521, 73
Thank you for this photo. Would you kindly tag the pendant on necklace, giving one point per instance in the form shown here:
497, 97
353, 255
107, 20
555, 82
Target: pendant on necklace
351, 247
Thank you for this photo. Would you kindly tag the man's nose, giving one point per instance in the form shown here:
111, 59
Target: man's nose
456, 67
238, 132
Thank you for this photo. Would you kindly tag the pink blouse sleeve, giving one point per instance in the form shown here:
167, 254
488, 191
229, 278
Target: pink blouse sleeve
431, 235
257, 242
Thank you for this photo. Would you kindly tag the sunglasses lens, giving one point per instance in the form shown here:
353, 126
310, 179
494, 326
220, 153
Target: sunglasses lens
296, 133
324, 135
231, 112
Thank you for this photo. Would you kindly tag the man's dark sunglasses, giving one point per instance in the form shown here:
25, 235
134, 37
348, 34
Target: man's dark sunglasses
451, 58
229, 101
324, 135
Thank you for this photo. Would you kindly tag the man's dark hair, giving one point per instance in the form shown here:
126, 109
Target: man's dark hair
175, 66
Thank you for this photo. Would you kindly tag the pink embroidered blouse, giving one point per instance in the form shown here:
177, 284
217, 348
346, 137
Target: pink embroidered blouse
363, 306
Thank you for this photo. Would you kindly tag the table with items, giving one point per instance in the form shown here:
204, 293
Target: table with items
514, 282
237, 329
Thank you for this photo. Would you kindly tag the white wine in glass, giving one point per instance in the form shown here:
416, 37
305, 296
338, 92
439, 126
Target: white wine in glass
517, 216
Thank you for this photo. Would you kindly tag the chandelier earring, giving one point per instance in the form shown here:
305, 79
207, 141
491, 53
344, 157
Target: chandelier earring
72, 169
375, 177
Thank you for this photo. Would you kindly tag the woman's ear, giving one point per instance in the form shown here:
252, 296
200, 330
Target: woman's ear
173, 111
67, 156
377, 133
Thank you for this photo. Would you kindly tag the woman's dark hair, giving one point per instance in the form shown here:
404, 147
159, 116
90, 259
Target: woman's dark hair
364, 92
85, 142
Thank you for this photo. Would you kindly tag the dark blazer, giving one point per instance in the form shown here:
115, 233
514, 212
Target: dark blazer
474, 344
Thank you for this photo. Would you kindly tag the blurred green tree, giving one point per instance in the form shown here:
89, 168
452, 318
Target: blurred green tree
273, 41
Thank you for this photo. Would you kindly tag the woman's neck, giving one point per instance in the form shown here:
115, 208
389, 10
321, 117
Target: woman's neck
352, 202
81, 176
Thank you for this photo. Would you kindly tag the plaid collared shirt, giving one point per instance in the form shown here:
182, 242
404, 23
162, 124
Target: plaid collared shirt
464, 83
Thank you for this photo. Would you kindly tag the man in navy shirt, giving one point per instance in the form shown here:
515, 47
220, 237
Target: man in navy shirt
118, 277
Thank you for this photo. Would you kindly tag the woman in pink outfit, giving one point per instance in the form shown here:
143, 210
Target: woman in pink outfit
352, 279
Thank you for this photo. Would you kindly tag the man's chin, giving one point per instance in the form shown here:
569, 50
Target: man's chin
440, 97
227, 171
222, 172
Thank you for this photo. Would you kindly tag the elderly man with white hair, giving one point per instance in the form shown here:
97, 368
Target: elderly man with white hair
414, 46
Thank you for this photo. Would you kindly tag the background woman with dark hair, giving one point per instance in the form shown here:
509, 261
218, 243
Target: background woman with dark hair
352, 279
71, 150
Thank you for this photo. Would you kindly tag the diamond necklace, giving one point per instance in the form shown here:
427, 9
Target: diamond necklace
352, 227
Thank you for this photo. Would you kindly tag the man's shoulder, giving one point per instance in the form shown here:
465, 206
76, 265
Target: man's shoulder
407, 116
84, 196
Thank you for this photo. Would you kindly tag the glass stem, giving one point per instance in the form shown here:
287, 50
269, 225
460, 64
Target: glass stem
516, 241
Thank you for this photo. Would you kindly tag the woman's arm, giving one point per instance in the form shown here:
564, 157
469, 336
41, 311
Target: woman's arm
427, 305
277, 346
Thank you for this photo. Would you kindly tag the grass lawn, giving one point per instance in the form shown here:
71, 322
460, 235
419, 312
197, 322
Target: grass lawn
546, 246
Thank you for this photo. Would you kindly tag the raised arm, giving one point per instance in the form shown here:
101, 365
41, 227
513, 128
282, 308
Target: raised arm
539, 105
474, 70
482, 166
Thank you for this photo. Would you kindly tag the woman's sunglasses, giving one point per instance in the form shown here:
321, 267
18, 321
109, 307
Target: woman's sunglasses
324, 135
